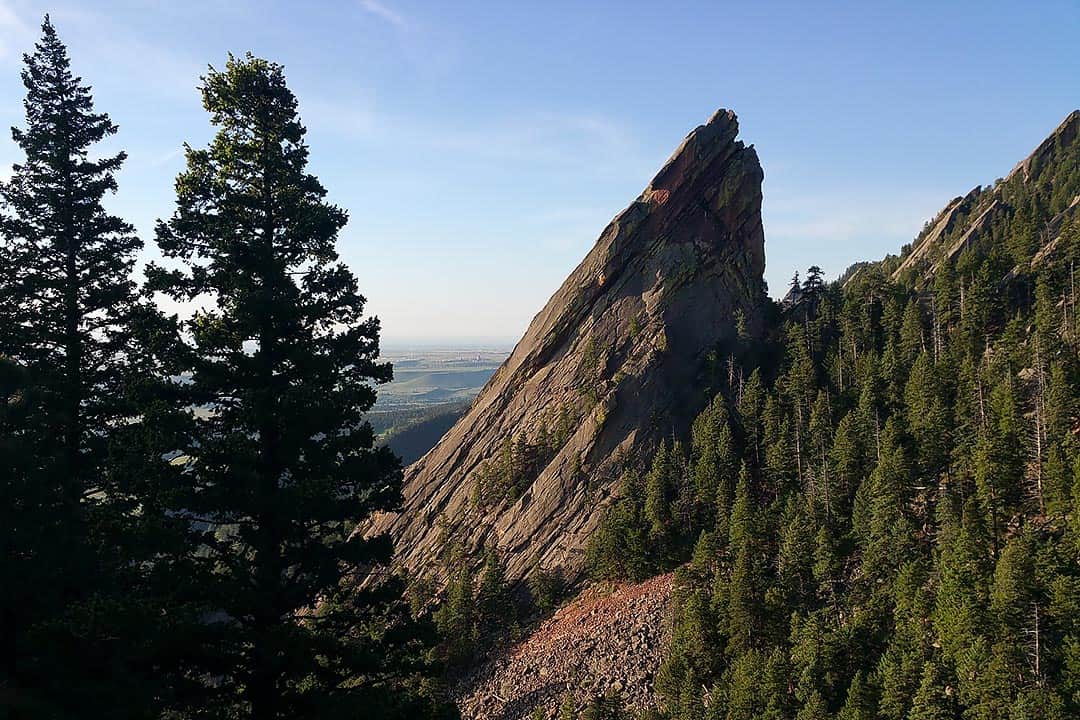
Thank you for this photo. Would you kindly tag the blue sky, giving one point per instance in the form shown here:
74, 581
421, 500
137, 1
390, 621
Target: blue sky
481, 147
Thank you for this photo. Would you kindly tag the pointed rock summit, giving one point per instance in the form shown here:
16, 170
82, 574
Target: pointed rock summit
613, 364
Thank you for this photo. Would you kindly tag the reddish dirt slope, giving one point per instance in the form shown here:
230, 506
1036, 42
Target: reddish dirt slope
608, 640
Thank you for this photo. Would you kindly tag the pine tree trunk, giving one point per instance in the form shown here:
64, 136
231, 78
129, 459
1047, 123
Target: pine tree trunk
72, 383
798, 439
1072, 295
1040, 421
269, 570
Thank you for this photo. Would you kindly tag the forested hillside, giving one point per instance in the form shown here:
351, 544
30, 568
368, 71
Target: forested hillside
1020, 217
880, 510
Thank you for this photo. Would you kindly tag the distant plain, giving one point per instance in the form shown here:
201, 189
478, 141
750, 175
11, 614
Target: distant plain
431, 389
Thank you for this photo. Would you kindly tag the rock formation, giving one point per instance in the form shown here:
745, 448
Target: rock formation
969, 221
954, 214
611, 365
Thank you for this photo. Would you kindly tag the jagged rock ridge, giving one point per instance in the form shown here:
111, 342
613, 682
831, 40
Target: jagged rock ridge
969, 221
611, 365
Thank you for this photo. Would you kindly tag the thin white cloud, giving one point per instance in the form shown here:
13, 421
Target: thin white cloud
350, 117
163, 159
9, 19
151, 67
846, 214
431, 50
16, 35
567, 139
381, 11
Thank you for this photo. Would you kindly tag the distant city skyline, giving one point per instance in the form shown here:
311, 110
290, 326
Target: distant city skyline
481, 148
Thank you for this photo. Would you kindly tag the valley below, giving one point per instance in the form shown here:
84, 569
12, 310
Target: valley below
431, 389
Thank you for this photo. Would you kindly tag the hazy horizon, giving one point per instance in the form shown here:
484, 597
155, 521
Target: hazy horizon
446, 343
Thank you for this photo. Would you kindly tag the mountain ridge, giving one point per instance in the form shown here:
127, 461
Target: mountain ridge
968, 221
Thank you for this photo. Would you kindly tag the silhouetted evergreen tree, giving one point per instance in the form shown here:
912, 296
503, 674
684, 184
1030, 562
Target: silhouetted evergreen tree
279, 463
77, 622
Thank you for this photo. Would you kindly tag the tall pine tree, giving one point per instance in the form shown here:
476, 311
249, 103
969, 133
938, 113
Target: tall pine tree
279, 462
68, 306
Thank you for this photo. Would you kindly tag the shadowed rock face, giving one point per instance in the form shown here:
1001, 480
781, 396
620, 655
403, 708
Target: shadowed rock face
611, 365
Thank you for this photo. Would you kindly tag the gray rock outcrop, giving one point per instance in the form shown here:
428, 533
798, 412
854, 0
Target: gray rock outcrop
610, 366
